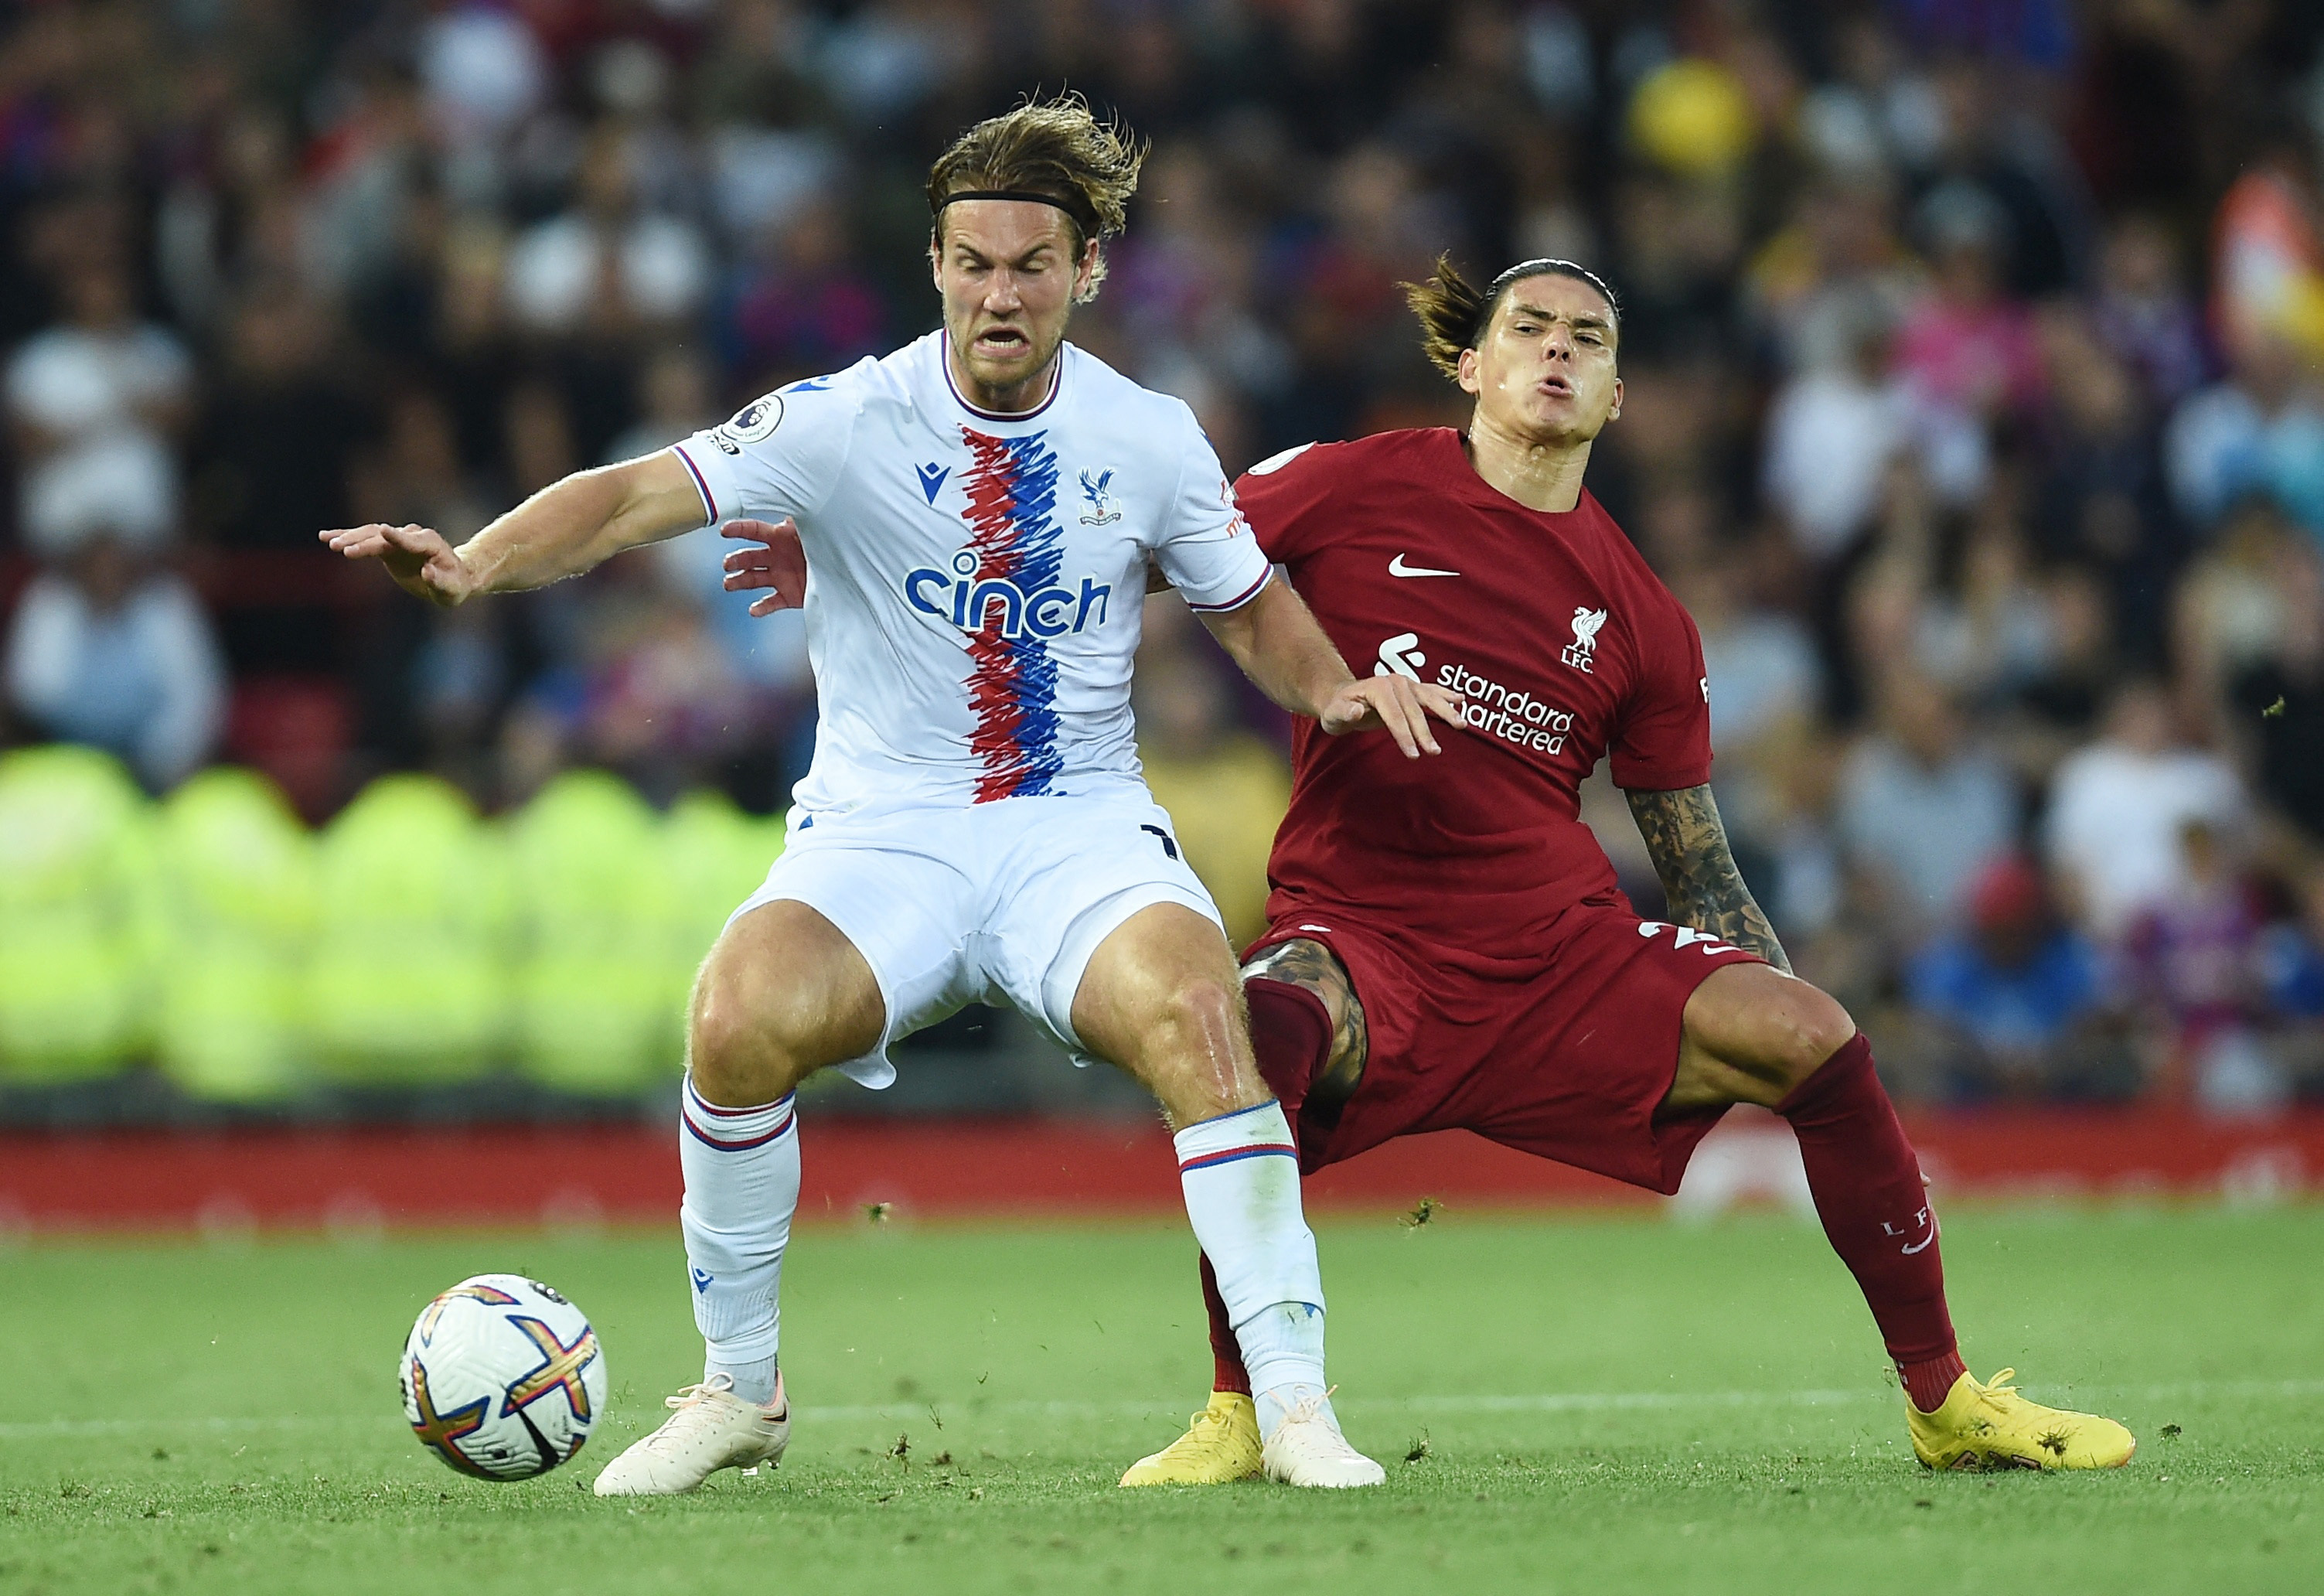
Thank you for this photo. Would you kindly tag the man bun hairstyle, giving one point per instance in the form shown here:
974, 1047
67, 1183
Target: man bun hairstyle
1055, 152
1451, 312
1454, 313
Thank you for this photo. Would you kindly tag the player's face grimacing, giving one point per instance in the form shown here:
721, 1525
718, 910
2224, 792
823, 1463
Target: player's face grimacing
1008, 277
1544, 372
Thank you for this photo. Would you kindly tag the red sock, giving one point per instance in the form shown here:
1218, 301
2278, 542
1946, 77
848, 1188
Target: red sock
1291, 1034
1868, 1193
1226, 1352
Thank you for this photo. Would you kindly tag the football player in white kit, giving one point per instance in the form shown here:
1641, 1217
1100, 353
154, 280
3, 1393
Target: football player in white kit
979, 509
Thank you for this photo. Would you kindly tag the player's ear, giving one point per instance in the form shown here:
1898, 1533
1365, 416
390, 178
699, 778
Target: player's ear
1470, 383
1615, 413
1085, 273
936, 257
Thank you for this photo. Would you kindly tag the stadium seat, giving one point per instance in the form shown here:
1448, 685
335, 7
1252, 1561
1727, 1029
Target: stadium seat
77, 922
596, 929
295, 729
410, 983
236, 878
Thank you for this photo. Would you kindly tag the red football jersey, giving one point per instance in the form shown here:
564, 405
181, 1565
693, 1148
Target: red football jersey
1565, 645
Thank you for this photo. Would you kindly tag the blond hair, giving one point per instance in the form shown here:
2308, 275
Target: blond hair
1054, 150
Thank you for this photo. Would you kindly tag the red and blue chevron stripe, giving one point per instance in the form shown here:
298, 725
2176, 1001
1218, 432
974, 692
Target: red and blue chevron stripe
1257, 1149
692, 1112
1012, 681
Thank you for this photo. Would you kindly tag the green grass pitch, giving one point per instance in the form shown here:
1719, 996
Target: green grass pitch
1608, 1405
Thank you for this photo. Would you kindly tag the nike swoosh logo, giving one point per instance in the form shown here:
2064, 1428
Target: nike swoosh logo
1397, 567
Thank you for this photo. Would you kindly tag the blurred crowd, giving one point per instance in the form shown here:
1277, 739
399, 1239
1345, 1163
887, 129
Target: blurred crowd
1973, 351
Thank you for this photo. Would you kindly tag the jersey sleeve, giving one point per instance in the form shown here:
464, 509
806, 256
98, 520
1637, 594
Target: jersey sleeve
780, 455
1206, 547
1278, 496
1663, 742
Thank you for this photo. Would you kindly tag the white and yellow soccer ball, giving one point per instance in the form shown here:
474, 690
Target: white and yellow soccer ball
503, 1378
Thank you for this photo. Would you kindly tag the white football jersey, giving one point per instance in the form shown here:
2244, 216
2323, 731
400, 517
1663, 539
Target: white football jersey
975, 582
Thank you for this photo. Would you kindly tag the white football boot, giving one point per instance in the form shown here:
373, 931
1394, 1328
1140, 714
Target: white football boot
1307, 1447
712, 1429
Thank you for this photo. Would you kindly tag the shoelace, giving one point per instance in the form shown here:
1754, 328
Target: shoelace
1310, 1407
1999, 1386
1310, 1410
688, 1398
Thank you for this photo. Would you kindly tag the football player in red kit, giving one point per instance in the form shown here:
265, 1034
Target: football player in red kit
1447, 947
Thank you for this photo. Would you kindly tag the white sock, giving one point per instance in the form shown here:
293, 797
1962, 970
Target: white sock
1241, 1175
1283, 1353
741, 1169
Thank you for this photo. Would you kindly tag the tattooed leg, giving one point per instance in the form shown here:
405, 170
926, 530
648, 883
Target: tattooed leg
1310, 964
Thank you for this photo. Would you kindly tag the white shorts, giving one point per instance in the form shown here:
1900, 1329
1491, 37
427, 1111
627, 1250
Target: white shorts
998, 903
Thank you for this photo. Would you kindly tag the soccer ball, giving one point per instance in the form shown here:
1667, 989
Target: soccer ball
503, 1378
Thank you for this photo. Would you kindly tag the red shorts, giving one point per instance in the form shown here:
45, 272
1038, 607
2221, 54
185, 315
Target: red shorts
1566, 1050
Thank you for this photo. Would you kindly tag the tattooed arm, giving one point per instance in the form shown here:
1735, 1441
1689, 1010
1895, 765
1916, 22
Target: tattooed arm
1688, 842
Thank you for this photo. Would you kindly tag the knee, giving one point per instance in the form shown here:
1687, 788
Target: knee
1200, 1011
733, 1050
1815, 1028
1198, 1043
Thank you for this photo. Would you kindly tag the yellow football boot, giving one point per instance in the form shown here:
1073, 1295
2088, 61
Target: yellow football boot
1991, 1427
1219, 1447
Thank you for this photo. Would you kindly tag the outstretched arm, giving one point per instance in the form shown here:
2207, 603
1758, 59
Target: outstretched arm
562, 531
1276, 642
1688, 843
